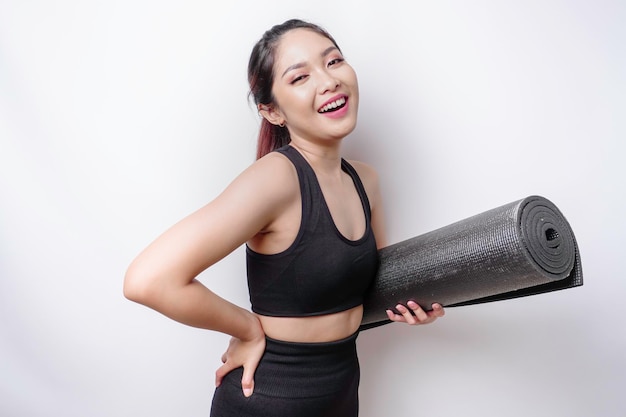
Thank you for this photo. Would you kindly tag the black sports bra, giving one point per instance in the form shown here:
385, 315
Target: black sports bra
322, 272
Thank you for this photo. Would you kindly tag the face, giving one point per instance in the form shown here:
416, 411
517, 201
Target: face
316, 91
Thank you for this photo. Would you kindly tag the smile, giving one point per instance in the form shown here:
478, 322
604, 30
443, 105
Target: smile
333, 105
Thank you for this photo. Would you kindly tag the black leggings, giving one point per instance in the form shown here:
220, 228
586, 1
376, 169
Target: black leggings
296, 379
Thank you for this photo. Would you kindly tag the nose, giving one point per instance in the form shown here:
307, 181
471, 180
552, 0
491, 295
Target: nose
328, 82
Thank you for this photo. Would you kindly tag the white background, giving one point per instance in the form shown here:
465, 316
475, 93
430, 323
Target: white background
117, 118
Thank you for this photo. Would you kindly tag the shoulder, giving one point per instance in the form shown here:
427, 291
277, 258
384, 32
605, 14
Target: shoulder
371, 182
367, 174
271, 169
369, 178
257, 196
271, 178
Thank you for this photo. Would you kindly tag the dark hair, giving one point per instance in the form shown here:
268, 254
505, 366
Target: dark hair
261, 79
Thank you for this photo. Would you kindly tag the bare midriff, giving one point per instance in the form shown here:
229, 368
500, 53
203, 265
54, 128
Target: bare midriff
326, 328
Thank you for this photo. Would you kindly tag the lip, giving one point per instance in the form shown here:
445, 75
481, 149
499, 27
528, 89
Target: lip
337, 113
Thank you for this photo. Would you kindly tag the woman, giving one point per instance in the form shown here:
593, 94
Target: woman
312, 224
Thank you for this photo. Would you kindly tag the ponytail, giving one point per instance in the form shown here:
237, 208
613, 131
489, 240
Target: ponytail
271, 137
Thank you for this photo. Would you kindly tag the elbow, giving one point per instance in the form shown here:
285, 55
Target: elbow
137, 286
132, 291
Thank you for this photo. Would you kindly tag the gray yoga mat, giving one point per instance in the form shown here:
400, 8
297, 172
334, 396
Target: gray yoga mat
519, 249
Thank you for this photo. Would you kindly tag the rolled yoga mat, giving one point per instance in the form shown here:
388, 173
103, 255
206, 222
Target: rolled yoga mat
519, 249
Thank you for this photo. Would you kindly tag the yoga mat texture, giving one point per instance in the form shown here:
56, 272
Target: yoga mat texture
519, 249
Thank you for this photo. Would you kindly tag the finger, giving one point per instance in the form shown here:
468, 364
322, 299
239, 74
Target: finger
394, 317
247, 381
418, 311
438, 310
406, 313
400, 318
221, 373
434, 314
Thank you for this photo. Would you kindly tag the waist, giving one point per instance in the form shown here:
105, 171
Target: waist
313, 329
304, 370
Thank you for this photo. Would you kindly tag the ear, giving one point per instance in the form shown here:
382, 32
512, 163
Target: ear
271, 114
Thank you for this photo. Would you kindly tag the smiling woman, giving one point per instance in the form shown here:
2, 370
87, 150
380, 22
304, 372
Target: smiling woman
319, 81
312, 225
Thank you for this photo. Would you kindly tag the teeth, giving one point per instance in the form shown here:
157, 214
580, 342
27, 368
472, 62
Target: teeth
333, 105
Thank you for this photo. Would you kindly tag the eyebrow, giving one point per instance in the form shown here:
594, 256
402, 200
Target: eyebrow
302, 64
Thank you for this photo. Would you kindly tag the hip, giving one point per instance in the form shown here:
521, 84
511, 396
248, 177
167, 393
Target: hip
303, 369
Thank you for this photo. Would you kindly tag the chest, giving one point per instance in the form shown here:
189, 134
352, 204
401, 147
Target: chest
344, 205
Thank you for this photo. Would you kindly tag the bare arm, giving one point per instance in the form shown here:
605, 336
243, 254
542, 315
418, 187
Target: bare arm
163, 276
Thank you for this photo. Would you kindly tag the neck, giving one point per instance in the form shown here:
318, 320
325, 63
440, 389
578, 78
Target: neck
323, 158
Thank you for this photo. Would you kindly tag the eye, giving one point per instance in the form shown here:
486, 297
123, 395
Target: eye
298, 78
335, 61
